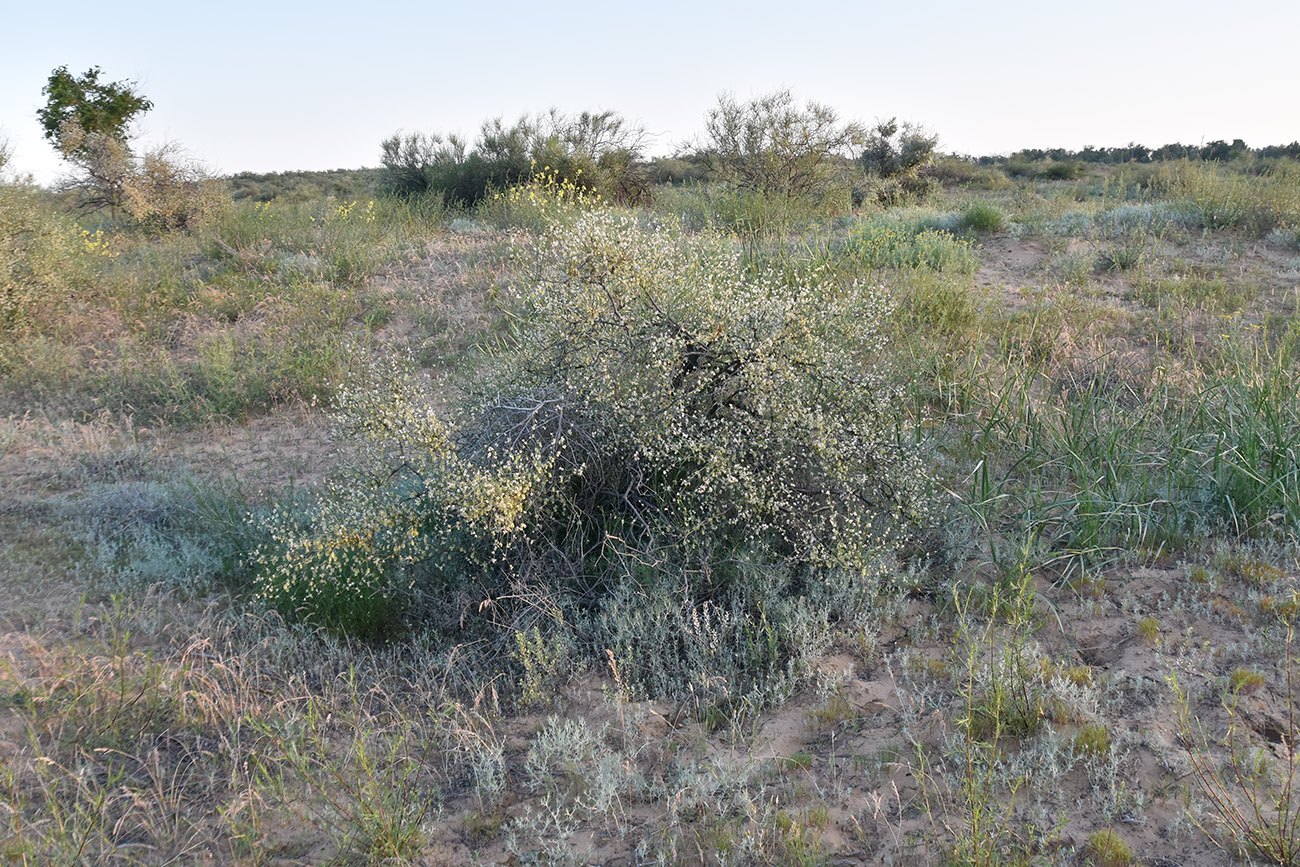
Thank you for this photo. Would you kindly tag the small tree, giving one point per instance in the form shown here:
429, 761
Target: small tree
88, 121
86, 104
104, 164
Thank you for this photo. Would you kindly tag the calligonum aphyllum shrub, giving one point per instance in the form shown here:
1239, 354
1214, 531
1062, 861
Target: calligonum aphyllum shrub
659, 401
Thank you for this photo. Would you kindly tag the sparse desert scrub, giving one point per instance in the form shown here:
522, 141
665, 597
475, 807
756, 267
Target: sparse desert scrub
250, 312
1217, 197
1251, 790
612, 638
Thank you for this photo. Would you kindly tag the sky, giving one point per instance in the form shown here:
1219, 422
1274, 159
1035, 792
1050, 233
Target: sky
276, 86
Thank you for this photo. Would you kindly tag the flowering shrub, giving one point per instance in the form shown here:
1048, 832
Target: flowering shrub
347, 561
333, 567
686, 400
659, 407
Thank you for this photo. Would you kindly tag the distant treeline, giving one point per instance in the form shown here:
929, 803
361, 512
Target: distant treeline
1220, 150
691, 166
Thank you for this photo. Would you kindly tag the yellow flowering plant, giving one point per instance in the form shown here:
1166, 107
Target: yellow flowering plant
545, 199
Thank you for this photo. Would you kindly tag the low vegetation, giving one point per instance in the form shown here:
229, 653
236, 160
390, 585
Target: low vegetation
815, 503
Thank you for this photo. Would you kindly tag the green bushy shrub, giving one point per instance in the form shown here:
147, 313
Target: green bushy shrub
774, 148
983, 217
892, 161
1069, 170
894, 151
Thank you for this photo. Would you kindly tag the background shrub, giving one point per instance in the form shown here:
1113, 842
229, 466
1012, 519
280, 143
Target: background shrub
893, 158
598, 150
170, 192
771, 146
957, 171
1069, 170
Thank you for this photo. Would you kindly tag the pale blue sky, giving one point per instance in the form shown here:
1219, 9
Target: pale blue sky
275, 85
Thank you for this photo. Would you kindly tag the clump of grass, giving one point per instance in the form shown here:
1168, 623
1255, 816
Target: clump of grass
1089, 586
936, 306
1006, 687
1186, 458
1149, 629
1248, 568
1107, 849
983, 217
1122, 255
1209, 294
1092, 740
1245, 680
796, 762
831, 713
1073, 268
1079, 675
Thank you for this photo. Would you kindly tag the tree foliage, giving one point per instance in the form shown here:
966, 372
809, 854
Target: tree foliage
85, 103
159, 190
